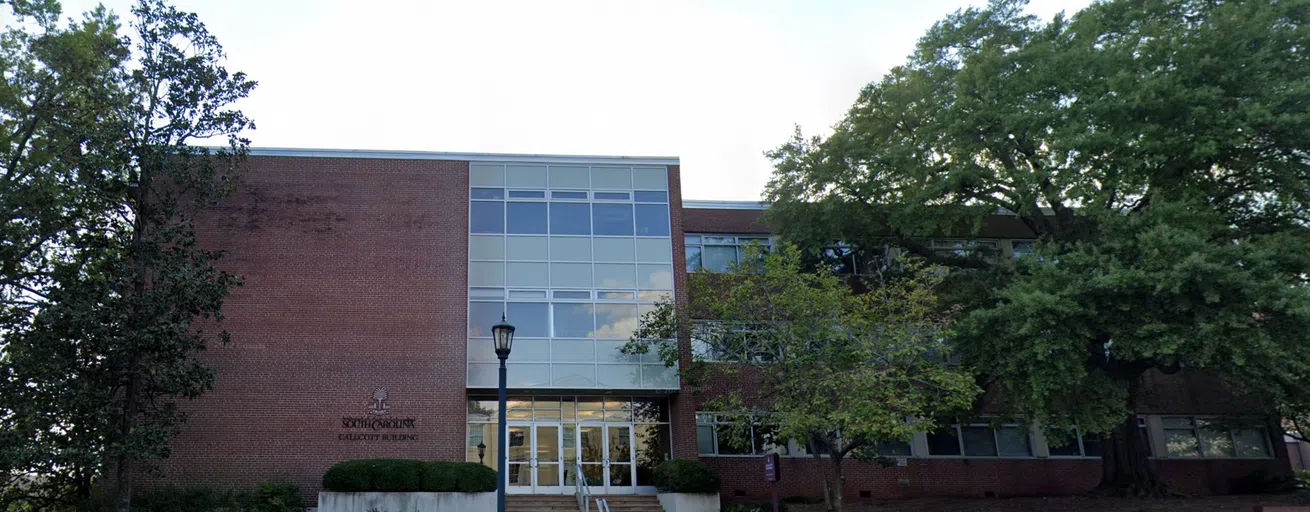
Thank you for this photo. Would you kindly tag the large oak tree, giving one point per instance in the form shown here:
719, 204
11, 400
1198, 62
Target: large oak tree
1157, 149
105, 295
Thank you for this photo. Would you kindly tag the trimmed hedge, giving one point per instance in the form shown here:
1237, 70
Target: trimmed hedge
686, 476
404, 475
268, 497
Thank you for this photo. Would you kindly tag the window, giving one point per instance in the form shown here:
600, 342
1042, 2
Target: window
652, 219
1022, 248
651, 197
570, 219
487, 193
847, 259
1214, 438
1080, 445
717, 435
963, 248
572, 254
486, 217
719, 253
883, 448
612, 219
980, 440
531, 320
525, 218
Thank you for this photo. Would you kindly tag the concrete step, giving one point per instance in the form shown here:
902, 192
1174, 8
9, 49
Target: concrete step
566, 503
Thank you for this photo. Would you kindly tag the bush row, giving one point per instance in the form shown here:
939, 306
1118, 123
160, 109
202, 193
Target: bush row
268, 497
404, 475
686, 476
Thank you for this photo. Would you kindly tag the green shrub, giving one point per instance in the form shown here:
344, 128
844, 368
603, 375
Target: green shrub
273, 497
268, 497
195, 497
1303, 477
686, 476
402, 475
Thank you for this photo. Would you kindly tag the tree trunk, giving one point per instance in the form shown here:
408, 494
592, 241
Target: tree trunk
132, 392
837, 482
1125, 468
123, 469
818, 463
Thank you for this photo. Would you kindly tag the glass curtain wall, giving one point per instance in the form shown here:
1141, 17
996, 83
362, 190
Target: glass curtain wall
572, 255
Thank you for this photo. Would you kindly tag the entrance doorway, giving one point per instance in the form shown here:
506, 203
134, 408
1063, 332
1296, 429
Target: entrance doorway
605, 452
543, 458
615, 443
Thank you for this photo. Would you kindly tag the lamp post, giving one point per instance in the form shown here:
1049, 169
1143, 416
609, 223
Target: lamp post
503, 334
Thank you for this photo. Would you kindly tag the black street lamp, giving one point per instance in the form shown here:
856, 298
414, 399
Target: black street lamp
503, 335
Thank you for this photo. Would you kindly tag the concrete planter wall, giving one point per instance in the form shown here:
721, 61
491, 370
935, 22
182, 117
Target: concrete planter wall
679, 502
407, 501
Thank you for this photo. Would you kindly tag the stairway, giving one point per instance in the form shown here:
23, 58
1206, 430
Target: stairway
568, 503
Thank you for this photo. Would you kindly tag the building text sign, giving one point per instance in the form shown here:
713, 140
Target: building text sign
379, 425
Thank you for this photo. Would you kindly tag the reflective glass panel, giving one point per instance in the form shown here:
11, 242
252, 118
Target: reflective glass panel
612, 219
486, 247
526, 218
574, 320
979, 442
487, 193
487, 217
486, 175
611, 177
530, 320
652, 219
570, 219
483, 315
650, 197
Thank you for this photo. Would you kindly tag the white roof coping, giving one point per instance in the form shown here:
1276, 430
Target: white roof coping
724, 205
472, 157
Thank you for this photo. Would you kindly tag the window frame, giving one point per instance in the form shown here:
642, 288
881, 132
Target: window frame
1198, 425
697, 241
715, 421
994, 428
1079, 436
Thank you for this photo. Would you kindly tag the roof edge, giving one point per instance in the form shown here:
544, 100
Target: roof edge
471, 157
724, 205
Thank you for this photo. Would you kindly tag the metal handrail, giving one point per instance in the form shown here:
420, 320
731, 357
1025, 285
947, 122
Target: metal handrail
583, 492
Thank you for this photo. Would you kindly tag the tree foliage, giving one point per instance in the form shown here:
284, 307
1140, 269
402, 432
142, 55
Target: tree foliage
105, 295
1157, 149
818, 362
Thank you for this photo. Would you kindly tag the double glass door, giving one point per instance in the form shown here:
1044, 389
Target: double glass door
605, 452
543, 457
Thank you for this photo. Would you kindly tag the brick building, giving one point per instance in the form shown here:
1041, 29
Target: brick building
371, 280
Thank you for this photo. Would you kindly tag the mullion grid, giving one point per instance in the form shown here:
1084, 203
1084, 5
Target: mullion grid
594, 290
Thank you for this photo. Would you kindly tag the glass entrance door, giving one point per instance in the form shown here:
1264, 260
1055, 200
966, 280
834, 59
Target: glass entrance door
605, 452
534, 459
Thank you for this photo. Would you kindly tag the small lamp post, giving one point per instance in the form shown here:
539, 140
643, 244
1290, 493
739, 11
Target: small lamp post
482, 452
503, 335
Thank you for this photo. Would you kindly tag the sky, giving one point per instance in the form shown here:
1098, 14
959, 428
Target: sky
713, 82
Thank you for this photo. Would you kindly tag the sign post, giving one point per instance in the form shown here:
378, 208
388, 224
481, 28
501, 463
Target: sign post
773, 475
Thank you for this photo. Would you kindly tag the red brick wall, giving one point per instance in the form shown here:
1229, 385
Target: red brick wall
682, 406
355, 275
711, 220
923, 477
974, 477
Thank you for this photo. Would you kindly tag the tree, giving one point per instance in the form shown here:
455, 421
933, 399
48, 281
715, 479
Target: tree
105, 295
1157, 149
823, 363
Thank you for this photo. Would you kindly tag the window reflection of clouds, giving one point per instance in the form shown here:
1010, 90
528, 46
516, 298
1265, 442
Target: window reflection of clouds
616, 321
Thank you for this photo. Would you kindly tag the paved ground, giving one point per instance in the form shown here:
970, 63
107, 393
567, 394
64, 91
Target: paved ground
1069, 504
